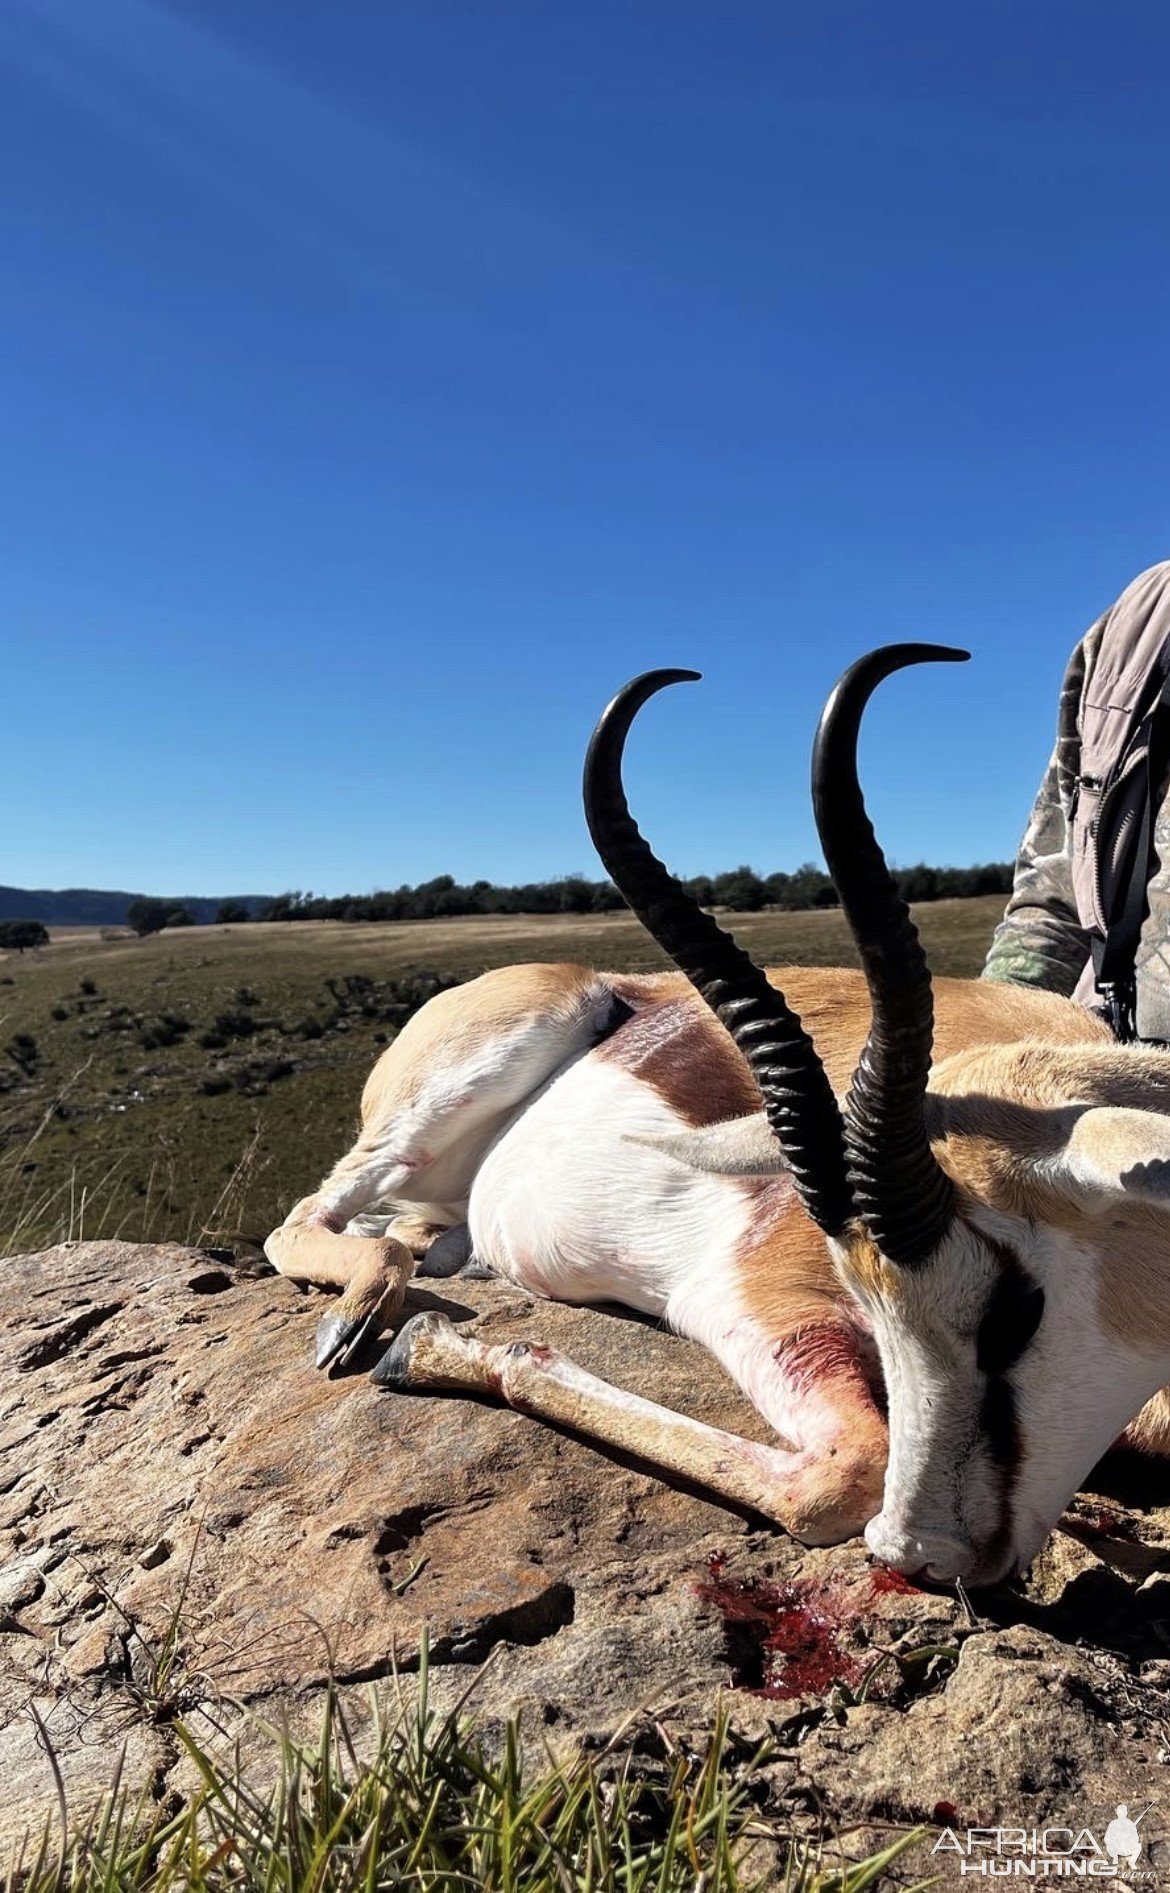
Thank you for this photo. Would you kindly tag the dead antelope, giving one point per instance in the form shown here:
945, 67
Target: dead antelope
987, 1241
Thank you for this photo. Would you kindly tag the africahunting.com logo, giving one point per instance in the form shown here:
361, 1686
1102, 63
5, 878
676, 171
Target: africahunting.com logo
1050, 1853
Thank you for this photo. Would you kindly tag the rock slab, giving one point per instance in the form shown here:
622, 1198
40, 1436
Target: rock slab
191, 1515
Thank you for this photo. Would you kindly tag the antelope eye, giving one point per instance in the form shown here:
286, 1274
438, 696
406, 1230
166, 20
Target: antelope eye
1009, 1322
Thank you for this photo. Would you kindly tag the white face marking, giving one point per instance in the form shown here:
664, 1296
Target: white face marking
942, 1494
1077, 1386
982, 1465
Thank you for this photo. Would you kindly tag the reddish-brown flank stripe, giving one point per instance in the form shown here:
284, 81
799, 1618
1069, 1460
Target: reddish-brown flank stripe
674, 1045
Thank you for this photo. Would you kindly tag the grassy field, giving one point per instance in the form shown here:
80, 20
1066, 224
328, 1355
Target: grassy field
192, 1085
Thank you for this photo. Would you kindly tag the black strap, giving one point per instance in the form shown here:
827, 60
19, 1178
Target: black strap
1115, 952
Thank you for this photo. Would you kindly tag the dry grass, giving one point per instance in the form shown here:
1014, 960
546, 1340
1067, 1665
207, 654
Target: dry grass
431, 1808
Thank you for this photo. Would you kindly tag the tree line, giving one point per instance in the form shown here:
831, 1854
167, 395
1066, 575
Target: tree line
741, 890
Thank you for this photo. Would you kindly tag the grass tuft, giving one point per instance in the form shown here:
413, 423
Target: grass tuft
427, 1805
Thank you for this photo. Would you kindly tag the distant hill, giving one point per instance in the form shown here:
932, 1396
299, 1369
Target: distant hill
99, 907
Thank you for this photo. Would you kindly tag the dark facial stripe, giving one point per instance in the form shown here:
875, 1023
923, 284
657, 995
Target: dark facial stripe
1011, 1318
1000, 1427
1010, 1321
1000, 1430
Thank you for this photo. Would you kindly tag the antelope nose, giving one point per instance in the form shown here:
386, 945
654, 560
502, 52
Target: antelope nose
923, 1554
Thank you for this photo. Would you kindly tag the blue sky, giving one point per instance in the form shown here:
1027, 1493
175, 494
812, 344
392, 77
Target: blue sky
385, 382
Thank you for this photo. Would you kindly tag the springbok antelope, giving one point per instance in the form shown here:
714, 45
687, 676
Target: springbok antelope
988, 1241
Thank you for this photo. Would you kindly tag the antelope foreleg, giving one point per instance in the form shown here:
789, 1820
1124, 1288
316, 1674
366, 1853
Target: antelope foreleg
536, 1380
373, 1272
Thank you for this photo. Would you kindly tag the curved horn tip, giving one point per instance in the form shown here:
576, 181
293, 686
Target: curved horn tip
937, 653
840, 721
614, 723
887, 658
646, 684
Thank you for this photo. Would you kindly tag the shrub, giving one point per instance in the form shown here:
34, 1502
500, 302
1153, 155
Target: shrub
22, 1049
148, 915
16, 935
235, 1025
167, 1029
254, 1077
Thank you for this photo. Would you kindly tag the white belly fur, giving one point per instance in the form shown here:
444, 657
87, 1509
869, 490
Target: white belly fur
565, 1208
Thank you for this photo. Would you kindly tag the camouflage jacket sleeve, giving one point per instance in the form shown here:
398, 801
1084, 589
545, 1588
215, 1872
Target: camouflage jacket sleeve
1040, 941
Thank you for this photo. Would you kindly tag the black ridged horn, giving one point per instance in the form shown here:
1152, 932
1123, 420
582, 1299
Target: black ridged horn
904, 1198
798, 1098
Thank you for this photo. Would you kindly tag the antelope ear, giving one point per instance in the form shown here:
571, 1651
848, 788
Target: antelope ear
1114, 1156
740, 1147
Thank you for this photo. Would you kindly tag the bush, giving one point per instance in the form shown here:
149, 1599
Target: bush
235, 1025
23, 1051
147, 915
742, 890
16, 935
168, 1029
253, 1077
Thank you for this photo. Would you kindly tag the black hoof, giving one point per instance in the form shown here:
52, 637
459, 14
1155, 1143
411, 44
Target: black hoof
393, 1370
339, 1338
477, 1271
448, 1254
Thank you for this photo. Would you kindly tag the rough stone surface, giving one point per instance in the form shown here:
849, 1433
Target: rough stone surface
170, 1457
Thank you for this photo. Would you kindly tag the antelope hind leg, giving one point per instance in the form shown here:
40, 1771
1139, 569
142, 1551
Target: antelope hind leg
428, 1353
433, 1100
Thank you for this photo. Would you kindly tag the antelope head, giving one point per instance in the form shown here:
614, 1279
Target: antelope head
1003, 1222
